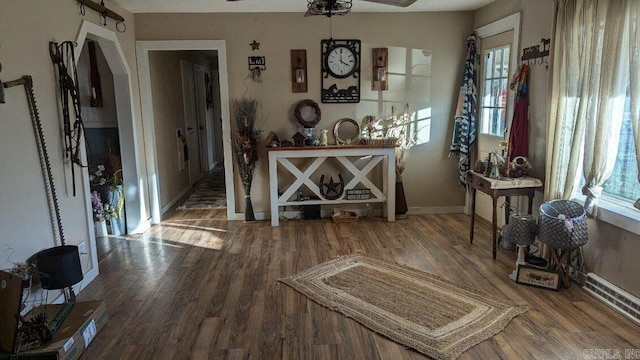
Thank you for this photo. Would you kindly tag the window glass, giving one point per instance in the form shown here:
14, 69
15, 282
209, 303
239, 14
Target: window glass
623, 183
494, 91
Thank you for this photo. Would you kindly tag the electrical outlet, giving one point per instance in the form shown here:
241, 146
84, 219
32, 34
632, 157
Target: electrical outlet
82, 248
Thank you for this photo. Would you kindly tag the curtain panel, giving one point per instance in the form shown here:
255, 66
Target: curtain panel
592, 64
634, 79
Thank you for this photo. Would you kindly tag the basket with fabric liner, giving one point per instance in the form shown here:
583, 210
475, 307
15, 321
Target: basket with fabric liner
562, 224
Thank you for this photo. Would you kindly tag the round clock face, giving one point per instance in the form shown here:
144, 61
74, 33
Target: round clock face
341, 61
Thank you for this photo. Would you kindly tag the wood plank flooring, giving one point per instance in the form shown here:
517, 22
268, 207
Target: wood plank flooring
198, 286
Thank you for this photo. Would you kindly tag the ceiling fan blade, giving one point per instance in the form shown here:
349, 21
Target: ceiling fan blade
401, 3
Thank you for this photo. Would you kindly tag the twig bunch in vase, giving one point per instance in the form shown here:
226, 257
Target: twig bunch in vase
405, 142
246, 134
395, 127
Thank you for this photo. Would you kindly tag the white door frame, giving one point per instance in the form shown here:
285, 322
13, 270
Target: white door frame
144, 78
130, 134
511, 22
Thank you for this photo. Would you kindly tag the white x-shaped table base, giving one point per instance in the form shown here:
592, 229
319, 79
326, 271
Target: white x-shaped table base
376, 155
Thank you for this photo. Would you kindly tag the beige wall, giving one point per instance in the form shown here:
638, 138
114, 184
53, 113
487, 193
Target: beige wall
430, 178
611, 252
96, 116
27, 26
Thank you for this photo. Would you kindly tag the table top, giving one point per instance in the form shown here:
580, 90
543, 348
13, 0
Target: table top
509, 183
330, 147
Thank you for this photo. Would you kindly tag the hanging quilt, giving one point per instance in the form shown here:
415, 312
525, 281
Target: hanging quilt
465, 121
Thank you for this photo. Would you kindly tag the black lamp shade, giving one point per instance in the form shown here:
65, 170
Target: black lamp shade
61, 264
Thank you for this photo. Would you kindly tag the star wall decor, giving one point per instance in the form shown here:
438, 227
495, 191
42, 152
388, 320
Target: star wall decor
255, 45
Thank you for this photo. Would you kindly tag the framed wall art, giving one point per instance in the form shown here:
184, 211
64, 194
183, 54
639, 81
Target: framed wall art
533, 276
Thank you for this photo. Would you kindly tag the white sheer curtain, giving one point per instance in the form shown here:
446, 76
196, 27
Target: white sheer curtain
591, 67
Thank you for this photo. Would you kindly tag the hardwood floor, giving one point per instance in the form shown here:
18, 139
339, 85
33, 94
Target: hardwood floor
198, 286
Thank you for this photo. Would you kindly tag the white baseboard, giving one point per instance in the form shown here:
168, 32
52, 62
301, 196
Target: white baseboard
293, 214
433, 210
144, 226
174, 200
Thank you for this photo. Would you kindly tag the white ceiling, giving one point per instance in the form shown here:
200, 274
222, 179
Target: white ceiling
190, 6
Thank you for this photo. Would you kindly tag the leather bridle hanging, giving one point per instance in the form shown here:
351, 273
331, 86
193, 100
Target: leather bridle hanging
64, 60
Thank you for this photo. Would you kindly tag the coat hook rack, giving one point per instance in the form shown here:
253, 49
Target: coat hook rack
534, 53
104, 12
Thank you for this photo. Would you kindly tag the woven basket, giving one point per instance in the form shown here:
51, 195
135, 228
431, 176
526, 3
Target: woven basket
341, 216
556, 219
521, 229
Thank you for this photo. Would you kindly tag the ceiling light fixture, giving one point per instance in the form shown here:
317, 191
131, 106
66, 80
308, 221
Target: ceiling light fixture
328, 7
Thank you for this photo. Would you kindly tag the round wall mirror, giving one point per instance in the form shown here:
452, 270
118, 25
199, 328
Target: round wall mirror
346, 131
308, 113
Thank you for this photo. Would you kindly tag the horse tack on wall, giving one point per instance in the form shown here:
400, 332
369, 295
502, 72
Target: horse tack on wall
104, 13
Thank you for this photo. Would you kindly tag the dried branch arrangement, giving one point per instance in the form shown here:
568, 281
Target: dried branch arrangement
247, 136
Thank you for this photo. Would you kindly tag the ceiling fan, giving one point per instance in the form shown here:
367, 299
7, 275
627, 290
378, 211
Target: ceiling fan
342, 7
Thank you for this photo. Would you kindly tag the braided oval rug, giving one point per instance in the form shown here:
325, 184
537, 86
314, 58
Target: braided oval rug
411, 307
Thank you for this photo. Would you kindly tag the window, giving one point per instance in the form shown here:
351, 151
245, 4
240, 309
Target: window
622, 188
495, 80
623, 184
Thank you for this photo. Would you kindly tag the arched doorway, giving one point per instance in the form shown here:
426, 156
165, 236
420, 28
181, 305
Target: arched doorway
130, 138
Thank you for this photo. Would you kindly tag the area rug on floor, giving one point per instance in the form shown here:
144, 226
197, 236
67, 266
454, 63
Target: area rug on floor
209, 193
411, 307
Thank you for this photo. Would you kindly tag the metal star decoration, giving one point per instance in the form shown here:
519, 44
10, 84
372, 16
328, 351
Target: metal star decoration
333, 189
255, 45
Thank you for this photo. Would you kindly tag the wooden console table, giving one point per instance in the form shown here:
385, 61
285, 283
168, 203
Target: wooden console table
344, 155
507, 187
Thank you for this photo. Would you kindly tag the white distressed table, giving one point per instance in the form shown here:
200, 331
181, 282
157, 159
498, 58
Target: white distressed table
346, 156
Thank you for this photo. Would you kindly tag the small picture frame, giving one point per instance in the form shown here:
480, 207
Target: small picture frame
533, 276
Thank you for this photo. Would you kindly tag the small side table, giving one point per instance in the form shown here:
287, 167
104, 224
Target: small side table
507, 187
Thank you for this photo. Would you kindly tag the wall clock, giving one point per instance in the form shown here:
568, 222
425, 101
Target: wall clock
340, 71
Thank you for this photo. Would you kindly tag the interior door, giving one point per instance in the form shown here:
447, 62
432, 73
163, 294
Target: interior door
494, 111
191, 120
201, 115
